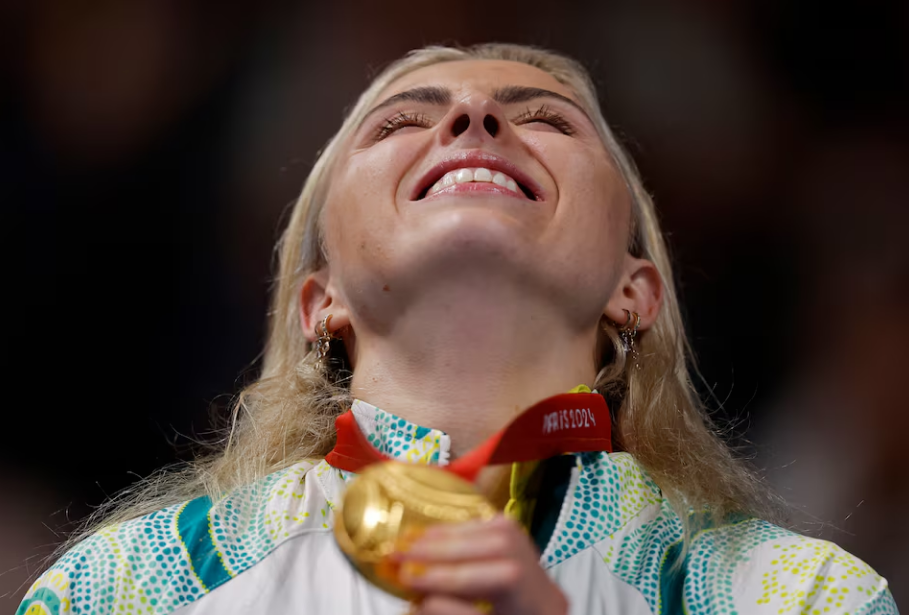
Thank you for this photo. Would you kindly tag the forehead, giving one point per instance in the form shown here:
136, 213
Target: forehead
483, 75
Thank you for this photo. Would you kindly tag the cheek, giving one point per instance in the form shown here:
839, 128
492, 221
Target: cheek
590, 233
602, 198
593, 200
361, 208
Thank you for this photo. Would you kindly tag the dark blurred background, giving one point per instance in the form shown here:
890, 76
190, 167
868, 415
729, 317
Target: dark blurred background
148, 149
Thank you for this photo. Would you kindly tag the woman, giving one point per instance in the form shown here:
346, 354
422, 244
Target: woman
471, 242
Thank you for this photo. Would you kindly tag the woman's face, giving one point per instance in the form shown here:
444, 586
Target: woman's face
476, 170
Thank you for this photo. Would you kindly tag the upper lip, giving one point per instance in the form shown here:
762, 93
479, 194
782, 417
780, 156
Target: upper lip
468, 159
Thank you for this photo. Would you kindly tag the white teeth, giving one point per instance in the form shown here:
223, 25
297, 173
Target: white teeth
463, 176
447, 180
482, 175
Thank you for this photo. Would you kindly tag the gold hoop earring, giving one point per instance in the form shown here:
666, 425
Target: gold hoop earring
627, 321
628, 333
323, 343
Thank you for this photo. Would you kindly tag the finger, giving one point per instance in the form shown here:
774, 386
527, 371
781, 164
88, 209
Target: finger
497, 538
492, 545
469, 580
445, 605
468, 528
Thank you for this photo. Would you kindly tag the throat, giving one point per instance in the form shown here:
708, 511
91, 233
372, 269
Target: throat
468, 368
494, 482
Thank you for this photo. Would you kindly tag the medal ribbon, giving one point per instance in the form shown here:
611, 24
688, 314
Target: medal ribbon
566, 423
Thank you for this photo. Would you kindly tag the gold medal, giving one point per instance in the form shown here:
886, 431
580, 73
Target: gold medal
390, 505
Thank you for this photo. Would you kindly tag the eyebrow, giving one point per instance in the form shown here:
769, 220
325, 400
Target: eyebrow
508, 95
513, 94
428, 95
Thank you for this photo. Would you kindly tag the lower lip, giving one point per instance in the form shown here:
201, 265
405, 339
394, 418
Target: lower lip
477, 189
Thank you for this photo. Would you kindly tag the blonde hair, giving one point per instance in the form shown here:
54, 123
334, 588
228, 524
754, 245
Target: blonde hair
288, 414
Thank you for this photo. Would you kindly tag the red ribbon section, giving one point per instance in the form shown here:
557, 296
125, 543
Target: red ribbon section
567, 423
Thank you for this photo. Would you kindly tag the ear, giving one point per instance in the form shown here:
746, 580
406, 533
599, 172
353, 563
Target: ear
640, 290
318, 299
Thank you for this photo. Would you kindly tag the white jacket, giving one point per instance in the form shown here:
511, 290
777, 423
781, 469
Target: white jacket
269, 548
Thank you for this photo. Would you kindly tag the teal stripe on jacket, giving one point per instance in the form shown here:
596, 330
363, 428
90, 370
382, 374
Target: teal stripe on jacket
193, 526
672, 579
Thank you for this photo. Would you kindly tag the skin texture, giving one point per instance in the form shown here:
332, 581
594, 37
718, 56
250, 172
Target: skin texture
460, 310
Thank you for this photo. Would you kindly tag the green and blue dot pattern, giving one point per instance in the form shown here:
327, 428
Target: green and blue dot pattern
401, 439
609, 490
171, 558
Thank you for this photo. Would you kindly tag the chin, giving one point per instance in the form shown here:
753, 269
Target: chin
475, 234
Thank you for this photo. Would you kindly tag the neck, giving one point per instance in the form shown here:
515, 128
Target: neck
469, 367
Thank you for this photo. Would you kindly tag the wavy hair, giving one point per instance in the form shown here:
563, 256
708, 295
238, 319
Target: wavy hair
288, 414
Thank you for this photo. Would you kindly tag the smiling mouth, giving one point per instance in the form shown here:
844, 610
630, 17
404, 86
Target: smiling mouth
477, 175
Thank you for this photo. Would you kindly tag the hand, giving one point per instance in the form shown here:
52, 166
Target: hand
455, 566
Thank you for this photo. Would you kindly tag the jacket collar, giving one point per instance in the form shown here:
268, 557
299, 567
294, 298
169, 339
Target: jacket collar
399, 438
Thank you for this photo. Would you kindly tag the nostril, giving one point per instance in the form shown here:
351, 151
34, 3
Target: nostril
491, 125
460, 125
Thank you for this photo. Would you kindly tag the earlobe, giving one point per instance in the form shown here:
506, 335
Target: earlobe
640, 291
318, 300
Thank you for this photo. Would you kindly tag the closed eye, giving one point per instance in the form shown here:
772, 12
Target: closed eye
547, 116
399, 121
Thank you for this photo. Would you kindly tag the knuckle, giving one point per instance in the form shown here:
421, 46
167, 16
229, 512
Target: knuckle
510, 573
499, 543
459, 578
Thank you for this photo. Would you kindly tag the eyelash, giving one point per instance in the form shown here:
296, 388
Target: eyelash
545, 114
401, 120
542, 114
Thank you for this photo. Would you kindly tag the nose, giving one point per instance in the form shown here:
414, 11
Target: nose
462, 125
477, 118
